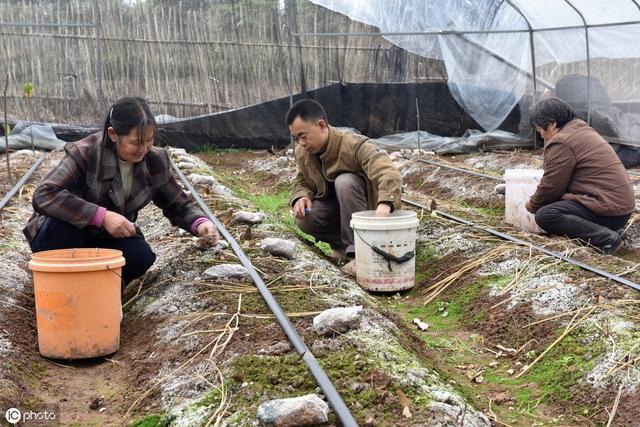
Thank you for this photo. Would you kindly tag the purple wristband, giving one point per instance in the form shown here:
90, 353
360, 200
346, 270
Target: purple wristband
98, 217
196, 223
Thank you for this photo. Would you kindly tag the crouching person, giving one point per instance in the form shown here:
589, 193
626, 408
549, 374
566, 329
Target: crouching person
585, 192
93, 196
339, 173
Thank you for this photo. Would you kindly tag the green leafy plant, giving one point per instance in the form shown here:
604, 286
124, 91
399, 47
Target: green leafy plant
27, 89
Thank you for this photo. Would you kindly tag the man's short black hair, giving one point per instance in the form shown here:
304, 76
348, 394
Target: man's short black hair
551, 110
308, 110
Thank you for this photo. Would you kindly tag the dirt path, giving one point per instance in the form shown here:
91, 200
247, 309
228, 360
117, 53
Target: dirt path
83, 389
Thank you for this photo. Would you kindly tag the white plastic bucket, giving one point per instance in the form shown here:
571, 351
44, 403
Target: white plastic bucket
520, 186
394, 235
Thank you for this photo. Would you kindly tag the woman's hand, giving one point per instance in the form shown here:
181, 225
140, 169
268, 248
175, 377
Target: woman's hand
208, 233
117, 225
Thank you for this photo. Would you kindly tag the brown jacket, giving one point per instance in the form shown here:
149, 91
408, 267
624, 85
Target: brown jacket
348, 152
88, 177
580, 165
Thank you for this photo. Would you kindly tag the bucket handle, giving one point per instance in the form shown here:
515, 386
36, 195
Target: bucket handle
386, 255
116, 273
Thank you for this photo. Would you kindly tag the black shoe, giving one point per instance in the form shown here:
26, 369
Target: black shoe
612, 248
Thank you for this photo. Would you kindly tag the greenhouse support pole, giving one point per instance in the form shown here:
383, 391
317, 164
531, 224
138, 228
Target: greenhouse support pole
22, 180
99, 92
533, 63
456, 32
531, 46
535, 85
586, 39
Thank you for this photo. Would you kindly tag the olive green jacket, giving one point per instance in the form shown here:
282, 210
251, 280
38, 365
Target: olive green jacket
348, 152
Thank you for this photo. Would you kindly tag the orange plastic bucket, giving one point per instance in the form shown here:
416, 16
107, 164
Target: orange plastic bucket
77, 295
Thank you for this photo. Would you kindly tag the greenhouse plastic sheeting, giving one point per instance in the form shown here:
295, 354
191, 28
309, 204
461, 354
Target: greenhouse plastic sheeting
23, 134
373, 109
487, 44
472, 140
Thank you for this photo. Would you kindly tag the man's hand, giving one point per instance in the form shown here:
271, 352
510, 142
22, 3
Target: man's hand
301, 204
527, 206
208, 233
117, 225
383, 209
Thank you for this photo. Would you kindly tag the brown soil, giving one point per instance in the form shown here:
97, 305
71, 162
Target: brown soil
508, 327
238, 169
74, 385
480, 195
628, 410
417, 182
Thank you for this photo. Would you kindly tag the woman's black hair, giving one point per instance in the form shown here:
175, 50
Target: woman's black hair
127, 114
551, 110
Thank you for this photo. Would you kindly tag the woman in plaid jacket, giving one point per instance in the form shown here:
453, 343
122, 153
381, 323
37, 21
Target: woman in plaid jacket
92, 197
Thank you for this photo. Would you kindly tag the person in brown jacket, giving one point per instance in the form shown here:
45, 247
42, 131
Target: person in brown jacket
92, 197
585, 192
339, 173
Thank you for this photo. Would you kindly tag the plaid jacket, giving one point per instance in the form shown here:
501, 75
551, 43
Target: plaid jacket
88, 177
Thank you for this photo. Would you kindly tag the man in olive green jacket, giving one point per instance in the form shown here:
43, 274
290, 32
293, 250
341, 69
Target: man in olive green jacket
339, 173
585, 192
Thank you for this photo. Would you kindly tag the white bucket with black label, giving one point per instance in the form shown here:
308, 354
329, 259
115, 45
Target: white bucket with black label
385, 250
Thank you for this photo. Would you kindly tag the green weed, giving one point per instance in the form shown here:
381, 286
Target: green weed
152, 421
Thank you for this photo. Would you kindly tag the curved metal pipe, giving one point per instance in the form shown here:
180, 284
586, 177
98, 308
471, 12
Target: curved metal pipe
22, 180
320, 376
586, 38
545, 251
533, 61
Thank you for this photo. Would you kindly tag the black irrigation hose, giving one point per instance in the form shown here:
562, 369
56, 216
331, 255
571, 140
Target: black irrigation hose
24, 179
506, 236
431, 162
309, 359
